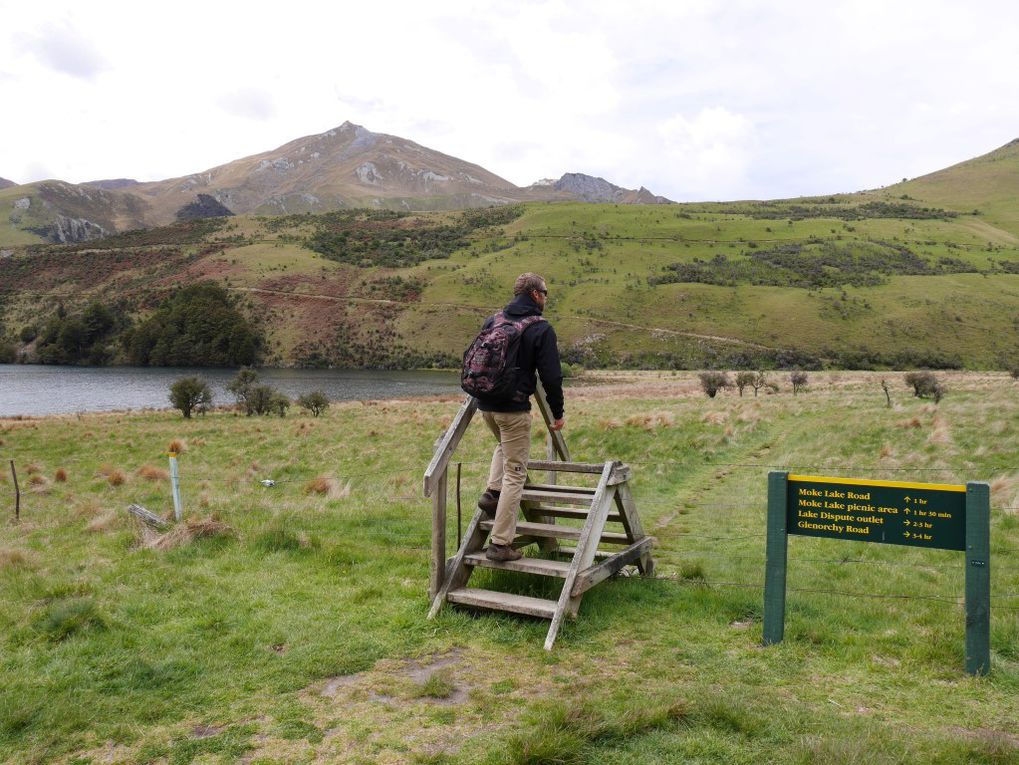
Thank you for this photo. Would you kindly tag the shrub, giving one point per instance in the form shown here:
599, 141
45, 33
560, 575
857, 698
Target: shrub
798, 380
759, 381
1014, 371
743, 379
241, 387
190, 394
265, 399
712, 382
315, 402
926, 385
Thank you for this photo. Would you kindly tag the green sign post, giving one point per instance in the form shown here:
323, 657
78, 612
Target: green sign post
940, 516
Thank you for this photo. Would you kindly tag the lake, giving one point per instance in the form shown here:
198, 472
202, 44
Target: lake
27, 389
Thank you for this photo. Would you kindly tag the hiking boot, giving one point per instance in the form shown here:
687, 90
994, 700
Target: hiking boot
489, 501
502, 553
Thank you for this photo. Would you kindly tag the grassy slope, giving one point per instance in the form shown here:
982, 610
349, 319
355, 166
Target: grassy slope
597, 259
302, 637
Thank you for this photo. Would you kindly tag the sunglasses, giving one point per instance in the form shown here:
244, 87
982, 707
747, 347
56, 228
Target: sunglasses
543, 292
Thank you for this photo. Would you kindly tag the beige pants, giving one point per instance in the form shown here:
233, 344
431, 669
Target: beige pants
509, 468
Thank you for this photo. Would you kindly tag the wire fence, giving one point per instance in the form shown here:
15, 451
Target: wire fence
682, 521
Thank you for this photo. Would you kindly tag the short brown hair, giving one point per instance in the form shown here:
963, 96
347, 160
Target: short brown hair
527, 282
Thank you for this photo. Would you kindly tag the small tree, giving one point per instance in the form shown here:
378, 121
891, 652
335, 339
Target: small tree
799, 381
712, 382
759, 381
926, 385
278, 404
190, 394
315, 402
743, 379
241, 387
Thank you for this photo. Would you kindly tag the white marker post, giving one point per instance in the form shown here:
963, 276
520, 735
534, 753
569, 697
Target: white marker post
178, 511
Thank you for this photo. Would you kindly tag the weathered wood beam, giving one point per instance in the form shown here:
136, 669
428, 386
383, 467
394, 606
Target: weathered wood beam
595, 574
448, 443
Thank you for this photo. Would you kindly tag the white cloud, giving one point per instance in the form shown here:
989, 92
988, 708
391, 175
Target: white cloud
64, 49
708, 153
249, 103
691, 98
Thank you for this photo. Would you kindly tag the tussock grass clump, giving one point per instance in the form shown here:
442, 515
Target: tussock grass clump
177, 446
152, 473
652, 421
327, 486
279, 538
32, 468
715, 418
63, 618
912, 422
190, 531
102, 523
13, 558
60, 476
116, 478
38, 482
439, 685
562, 733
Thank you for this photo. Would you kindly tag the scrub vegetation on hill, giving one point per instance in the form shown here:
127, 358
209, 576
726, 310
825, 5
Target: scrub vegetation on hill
882, 279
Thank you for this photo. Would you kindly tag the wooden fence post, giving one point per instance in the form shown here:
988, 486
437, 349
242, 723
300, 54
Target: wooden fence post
438, 568
17, 493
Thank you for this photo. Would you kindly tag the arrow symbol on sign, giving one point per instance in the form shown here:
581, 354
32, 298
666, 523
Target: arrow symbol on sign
908, 523
907, 499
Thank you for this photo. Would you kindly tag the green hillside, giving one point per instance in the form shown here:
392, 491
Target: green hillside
876, 279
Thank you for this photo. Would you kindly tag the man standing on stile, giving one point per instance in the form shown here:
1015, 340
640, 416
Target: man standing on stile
510, 419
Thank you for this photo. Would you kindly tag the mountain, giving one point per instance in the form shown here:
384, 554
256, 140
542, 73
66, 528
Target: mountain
347, 167
6, 184
587, 188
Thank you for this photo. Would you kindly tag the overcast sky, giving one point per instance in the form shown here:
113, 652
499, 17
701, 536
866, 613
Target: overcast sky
696, 100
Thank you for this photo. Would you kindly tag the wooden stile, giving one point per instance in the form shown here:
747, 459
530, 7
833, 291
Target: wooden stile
611, 501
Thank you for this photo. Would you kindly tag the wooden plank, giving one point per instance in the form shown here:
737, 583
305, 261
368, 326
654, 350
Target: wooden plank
148, 518
595, 574
566, 467
621, 474
437, 571
586, 546
631, 522
564, 497
569, 512
457, 572
503, 601
557, 487
558, 441
557, 531
538, 566
448, 443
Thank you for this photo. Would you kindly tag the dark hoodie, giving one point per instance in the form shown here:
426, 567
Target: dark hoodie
538, 353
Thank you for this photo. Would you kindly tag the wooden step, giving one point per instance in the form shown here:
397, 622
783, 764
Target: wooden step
574, 497
565, 512
555, 487
538, 566
555, 531
503, 601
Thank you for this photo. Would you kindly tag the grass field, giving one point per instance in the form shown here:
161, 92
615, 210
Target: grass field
287, 624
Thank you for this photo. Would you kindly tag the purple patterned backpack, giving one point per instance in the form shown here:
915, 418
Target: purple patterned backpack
490, 363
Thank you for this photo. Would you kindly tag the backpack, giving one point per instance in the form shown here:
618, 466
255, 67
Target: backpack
490, 363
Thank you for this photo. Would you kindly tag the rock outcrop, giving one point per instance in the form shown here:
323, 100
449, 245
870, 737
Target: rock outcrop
588, 188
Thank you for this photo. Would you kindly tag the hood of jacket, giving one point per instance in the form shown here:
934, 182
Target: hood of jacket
522, 305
